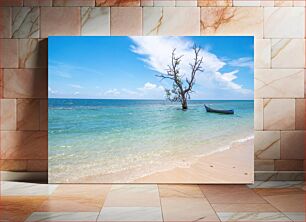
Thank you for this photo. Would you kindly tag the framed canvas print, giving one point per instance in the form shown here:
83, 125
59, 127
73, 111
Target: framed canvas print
144, 109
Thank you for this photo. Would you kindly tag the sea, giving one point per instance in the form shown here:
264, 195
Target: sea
99, 137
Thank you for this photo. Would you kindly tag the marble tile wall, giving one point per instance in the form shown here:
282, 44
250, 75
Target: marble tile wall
278, 27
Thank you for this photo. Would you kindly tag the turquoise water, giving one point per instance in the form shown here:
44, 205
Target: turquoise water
89, 137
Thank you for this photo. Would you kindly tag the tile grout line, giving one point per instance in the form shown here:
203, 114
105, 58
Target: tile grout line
267, 202
161, 208
209, 202
104, 202
278, 210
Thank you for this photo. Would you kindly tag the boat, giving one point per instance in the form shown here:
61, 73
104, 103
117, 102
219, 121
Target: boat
221, 111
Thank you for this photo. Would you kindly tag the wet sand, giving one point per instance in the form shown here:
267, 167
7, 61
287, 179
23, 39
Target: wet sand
234, 165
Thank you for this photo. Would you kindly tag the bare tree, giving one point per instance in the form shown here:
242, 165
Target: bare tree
181, 90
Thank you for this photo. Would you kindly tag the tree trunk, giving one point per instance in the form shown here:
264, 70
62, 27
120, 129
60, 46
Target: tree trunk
184, 102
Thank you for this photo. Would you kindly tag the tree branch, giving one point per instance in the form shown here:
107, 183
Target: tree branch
179, 92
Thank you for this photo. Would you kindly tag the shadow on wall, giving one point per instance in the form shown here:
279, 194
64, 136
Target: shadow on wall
24, 112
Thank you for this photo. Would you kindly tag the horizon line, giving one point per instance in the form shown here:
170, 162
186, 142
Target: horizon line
144, 99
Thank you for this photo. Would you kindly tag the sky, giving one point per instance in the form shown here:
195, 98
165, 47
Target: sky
121, 67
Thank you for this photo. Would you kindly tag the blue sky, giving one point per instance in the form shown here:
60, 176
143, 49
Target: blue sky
126, 67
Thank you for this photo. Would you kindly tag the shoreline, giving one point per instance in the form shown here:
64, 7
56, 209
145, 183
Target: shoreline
227, 164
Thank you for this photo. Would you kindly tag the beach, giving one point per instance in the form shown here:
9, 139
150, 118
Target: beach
147, 141
228, 166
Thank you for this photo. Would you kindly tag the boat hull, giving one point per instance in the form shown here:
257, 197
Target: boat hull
210, 110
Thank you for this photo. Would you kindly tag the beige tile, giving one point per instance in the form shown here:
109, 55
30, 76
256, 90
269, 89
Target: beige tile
296, 216
264, 165
187, 209
33, 53
95, 21
279, 176
133, 196
219, 3
37, 2
169, 20
25, 22
1, 83
126, 21
279, 83
267, 3
305, 83
186, 3
5, 22
130, 214
8, 53
90, 191
37, 165
13, 165
262, 53
289, 165
124, 3
279, 114
146, 2
246, 3
43, 114
25, 83
18, 208
182, 191
258, 114
230, 194
300, 114
73, 2
277, 184
282, 49
63, 216
285, 200
267, 145
263, 207
279, 3
5, 3
8, 114
70, 204
278, 191
28, 114
163, 3
278, 19
299, 3
253, 216
24, 145
52, 16
292, 144
232, 21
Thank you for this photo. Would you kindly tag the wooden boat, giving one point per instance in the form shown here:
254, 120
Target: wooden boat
210, 110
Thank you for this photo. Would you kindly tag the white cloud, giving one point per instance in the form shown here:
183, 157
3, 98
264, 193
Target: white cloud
242, 62
128, 92
75, 86
229, 76
147, 91
76, 93
150, 86
51, 91
151, 91
112, 92
156, 53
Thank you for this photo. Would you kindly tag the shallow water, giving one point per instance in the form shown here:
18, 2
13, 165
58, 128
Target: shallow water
90, 137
